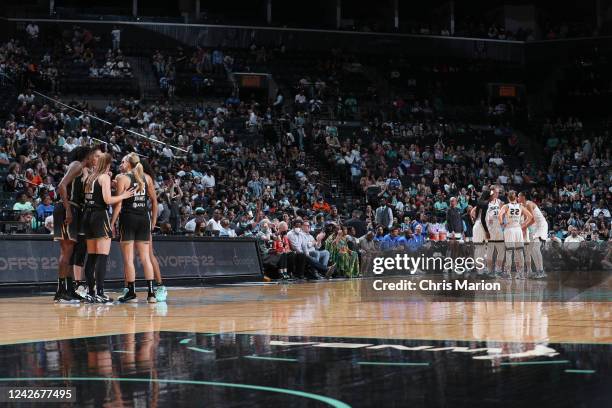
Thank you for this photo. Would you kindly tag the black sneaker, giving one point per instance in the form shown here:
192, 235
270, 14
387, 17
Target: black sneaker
76, 295
103, 298
87, 298
64, 297
151, 298
127, 296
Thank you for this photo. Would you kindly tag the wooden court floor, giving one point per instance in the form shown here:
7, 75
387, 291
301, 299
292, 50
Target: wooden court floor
326, 309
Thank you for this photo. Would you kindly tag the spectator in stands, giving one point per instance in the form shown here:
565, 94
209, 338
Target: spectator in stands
214, 224
23, 203
26, 217
49, 224
45, 208
600, 209
197, 223
300, 101
27, 97
314, 246
321, 205
226, 230
367, 244
357, 223
392, 240
116, 38
346, 260
33, 31
4, 158
217, 62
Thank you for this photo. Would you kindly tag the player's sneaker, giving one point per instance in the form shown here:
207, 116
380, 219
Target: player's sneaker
81, 290
64, 297
151, 298
505, 275
161, 293
540, 275
103, 298
127, 296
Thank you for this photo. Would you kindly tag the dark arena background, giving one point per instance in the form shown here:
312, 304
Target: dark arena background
333, 203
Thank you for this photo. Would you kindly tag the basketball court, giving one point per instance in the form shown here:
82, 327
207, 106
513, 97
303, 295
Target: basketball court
319, 344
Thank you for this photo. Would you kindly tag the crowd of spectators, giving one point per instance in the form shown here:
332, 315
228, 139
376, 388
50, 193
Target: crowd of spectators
222, 170
191, 70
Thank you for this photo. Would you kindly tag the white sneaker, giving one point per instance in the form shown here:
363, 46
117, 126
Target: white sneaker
81, 290
161, 293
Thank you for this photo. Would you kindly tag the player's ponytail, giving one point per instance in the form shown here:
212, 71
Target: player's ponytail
137, 171
103, 163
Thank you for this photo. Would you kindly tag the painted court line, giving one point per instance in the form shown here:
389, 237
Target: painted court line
534, 362
321, 398
271, 358
200, 350
580, 371
383, 363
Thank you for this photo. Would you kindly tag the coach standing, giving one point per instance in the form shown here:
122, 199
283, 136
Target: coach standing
384, 215
454, 223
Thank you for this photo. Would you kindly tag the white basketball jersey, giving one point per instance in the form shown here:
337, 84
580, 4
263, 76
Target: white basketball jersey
493, 212
538, 217
513, 216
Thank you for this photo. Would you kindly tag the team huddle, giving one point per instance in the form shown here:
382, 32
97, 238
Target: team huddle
512, 232
84, 230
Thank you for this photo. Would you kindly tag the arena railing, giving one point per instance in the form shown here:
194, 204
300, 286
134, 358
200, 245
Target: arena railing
241, 36
236, 36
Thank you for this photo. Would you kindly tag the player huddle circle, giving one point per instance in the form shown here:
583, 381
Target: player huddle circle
509, 232
84, 229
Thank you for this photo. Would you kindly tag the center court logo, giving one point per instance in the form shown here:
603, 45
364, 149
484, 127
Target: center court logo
492, 353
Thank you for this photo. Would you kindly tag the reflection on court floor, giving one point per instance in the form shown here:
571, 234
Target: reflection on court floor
160, 369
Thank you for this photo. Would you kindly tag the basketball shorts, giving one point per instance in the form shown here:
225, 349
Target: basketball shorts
513, 235
134, 227
540, 232
478, 233
96, 224
496, 234
63, 231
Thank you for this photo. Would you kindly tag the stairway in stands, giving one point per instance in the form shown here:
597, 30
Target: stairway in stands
147, 81
338, 188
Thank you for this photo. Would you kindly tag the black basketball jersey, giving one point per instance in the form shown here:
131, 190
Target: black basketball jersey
94, 199
76, 190
139, 202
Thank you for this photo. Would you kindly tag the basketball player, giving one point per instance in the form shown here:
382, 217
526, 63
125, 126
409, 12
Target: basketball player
496, 235
480, 231
77, 260
538, 231
96, 226
66, 221
135, 224
510, 217
160, 290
